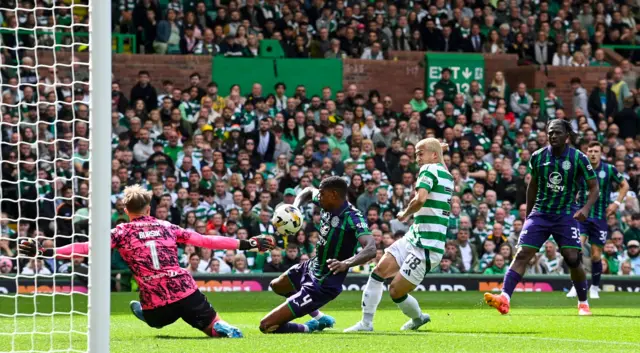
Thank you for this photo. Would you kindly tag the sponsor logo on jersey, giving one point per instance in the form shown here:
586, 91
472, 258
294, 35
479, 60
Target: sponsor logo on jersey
555, 181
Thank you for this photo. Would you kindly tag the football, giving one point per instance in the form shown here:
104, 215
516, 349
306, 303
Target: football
287, 219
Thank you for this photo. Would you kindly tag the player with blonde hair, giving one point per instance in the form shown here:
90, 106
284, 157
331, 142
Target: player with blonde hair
149, 247
409, 259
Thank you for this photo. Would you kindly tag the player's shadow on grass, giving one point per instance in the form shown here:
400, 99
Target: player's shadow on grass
573, 315
168, 337
416, 333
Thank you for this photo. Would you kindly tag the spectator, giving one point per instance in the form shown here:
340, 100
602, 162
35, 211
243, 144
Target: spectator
35, 267
214, 267
276, 265
292, 256
494, 44
633, 233
599, 59
619, 87
627, 120
476, 40
498, 266
399, 40
335, 51
167, 35
522, 48
266, 141
543, 50
445, 266
563, 56
194, 264
240, 264
520, 101
602, 102
145, 91
467, 250
501, 90
189, 42
373, 52
579, 96
633, 256
229, 47
611, 257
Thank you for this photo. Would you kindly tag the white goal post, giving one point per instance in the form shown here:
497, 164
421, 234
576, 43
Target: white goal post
100, 176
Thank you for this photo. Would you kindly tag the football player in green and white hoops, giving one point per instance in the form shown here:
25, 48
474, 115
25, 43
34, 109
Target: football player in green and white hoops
409, 259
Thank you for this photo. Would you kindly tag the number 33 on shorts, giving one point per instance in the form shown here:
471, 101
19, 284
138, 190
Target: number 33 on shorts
576, 233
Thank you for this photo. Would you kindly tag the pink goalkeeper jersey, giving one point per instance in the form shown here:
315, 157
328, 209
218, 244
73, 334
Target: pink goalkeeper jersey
149, 247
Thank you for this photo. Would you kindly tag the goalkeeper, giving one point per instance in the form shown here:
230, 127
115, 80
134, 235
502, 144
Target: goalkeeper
149, 247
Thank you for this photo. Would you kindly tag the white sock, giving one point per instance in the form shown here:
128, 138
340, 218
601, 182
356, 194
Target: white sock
371, 297
506, 296
584, 302
410, 307
319, 316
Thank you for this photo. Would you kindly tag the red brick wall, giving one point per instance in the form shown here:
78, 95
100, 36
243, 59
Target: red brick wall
397, 77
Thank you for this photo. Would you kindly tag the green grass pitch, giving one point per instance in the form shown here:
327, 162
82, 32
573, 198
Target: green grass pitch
538, 322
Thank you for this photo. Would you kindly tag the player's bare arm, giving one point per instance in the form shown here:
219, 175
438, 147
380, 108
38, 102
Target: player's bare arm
532, 190
622, 192
263, 243
594, 191
305, 196
367, 253
414, 205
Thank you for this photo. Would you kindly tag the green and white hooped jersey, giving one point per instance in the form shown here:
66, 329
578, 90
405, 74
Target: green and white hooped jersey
429, 228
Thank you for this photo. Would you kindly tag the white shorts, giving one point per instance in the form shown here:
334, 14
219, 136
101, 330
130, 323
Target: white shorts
412, 260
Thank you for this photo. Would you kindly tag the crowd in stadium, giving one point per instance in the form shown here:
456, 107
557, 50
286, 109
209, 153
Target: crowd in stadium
559, 33
219, 162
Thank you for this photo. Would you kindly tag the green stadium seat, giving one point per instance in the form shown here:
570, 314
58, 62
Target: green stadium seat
270, 48
174, 49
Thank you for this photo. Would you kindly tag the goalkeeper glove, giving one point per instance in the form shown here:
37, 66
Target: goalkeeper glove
31, 248
261, 242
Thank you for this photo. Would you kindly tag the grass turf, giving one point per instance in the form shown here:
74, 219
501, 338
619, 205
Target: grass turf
460, 323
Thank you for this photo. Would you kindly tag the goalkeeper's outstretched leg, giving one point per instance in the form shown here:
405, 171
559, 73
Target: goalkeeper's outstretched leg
194, 310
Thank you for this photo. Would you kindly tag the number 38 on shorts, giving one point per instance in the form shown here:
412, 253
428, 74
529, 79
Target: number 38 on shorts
413, 261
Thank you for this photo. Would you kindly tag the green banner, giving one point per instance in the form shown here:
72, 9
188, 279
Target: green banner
464, 69
314, 74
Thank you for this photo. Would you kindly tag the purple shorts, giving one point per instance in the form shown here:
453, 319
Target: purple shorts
311, 293
539, 226
596, 229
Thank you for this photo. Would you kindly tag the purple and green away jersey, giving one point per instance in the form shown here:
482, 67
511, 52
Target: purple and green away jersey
558, 179
339, 233
607, 175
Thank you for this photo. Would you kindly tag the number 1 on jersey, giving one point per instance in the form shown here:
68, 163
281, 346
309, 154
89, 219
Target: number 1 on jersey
151, 244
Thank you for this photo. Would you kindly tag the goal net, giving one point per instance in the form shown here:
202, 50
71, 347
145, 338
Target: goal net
49, 182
